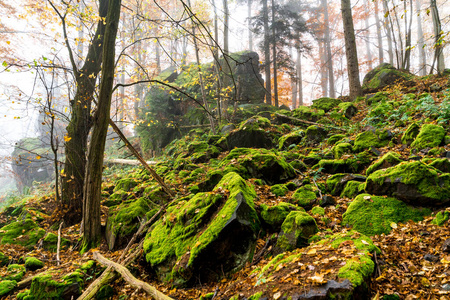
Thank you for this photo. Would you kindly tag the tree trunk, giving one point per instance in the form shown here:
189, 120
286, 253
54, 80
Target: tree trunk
267, 53
323, 69
408, 33
387, 28
367, 34
350, 50
93, 180
421, 42
379, 36
79, 126
249, 20
329, 56
438, 42
274, 57
226, 21
294, 84
299, 78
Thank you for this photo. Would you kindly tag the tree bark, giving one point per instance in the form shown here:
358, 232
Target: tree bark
387, 28
367, 34
379, 36
274, 56
267, 53
79, 126
421, 42
438, 43
226, 21
299, 77
93, 178
350, 50
249, 24
329, 56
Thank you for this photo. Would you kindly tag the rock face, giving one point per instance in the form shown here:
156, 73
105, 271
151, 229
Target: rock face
203, 238
296, 229
252, 133
372, 215
382, 76
412, 182
250, 84
258, 163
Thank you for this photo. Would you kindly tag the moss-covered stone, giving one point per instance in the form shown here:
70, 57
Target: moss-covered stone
104, 293
7, 286
125, 184
4, 259
340, 149
294, 137
181, 242
317, 210
279, 190
32, 263
307, 113
24, 295
305, 196
315, 134
252, 133
259, 163
15, 272
410, 134
429, 136
335, 138
367, 140
382, 76
352, 164
44, 287
372, 215
352, 189
348, 109
296, 229
326, 103
413, 182
24, 232
275, 215
390, 159
440, 218
51, 240
442, 164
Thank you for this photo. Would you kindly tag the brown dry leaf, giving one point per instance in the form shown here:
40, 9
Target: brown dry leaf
317, 278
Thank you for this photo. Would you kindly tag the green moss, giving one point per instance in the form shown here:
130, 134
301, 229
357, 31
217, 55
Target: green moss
367, 140
410, 134
335, 138
296, 229
279, 190
351, 189
428, 181
442, 164
25, 233
332, 183
7, 286
44, 287
24, 295
255, 123
294, 137
276, 214
256, 296
388, 160
361, 241
32, 263
374, 214
430, 136
315, 133
104, 293
51, 240
307, 113
126, 184
317, 210
340, 149
304, 196
15, 272
4, 259
357, 270
326, 103
441, 218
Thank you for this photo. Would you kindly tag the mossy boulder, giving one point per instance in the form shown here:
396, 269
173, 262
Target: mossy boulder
125, 184
429, 136
259, 163
340, 149
326, 103
279, 190
45, 287
23, 232
413, 182
332, 140
33, 263
336, 183
15, 272
296, 229
315, 134
124, 220
372, 215
410, 133
384, 75
208, 230
348, 109
294, 137
367, 140
307, 113
201, 152
51, 240
7, 286
305, 196
252, 133
105, 292
352, 189
275, 215
442, 164
390, 159
349, 164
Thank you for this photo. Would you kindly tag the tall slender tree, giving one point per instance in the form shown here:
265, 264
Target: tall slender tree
421, 41
438, 42
350, 50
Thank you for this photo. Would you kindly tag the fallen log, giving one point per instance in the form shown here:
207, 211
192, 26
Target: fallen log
133, 281
131, 162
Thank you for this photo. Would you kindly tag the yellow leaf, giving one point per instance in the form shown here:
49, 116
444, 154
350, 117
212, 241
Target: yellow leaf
38, 157
312, 252
393, 225
67, 138
8, 42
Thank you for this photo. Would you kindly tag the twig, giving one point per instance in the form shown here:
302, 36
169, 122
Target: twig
133, 281
58, 245
320, 192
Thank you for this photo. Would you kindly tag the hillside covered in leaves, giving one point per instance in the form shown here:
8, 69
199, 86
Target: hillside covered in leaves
339, 200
